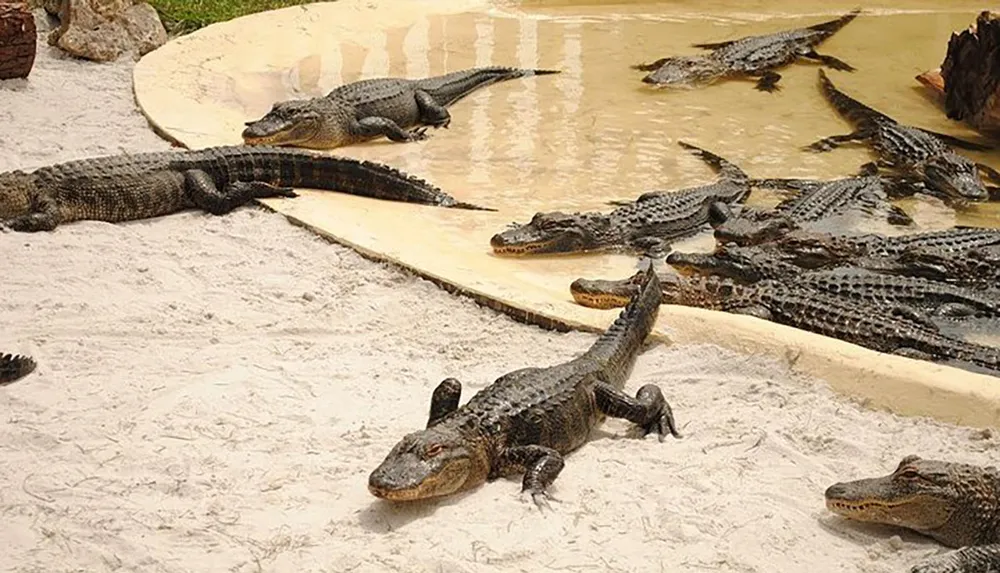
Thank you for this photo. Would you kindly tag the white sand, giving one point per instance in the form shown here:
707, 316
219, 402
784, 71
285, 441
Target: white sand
213, 392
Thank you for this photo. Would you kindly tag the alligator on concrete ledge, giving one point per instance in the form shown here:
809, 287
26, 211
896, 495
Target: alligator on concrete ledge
750, 265
217, 180
373, 108
896, 330
816, 203
752, 56
647, 224
912, 151
956, 504
529, 418
13, 367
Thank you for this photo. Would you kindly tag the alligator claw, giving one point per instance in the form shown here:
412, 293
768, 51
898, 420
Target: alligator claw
541, 499
419, 134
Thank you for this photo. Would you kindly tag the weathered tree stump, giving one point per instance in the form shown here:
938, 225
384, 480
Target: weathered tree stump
17, 40
968, 83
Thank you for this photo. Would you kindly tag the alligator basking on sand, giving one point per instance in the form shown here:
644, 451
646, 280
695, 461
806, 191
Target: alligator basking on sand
956, 504
912, 151
815, 203
816, 250
895, 330
863, 287
14, 367
647, 224
752, 56
217, 180
372, 108
528, 419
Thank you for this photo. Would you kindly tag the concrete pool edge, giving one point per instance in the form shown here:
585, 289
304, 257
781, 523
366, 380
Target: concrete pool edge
901, 385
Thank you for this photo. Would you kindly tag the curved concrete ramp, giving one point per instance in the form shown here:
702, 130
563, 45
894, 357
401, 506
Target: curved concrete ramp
573, 142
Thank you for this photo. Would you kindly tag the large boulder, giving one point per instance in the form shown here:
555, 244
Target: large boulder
17, 40
103, 30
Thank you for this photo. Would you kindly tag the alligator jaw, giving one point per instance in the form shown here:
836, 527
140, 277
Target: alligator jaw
603, 294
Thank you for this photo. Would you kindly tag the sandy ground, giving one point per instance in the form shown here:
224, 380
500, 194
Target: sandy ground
213, 392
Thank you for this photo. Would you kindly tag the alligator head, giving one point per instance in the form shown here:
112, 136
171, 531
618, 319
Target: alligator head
730, 262
686, 71
745, 231
292, 122
955, 177
956, 504
430, 463
555, 232
814, 250
605, 294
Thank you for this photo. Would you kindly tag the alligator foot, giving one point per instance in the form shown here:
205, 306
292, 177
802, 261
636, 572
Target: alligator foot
32, 223
372, 127
834, 141
913, 353
768, 82
991, 173
431, 112
974, 559
201, 189
895, 215
541, 467
444, 400
652, 66
830, 62
649, 410
954, 310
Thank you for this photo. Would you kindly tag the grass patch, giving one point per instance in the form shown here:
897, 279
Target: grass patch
183, 16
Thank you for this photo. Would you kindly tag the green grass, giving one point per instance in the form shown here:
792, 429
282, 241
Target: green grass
183, 16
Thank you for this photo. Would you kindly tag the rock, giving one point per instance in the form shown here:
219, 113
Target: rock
102, 30
17, 40
968, 82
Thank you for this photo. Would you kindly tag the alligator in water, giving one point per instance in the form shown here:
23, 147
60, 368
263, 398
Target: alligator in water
815, 203
895, 330
647, 224
14, 367
750, 265
912, 151
217, 180
372, 108
752, 56
528, 419
955, 504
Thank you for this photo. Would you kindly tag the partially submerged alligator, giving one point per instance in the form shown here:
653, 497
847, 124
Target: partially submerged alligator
217, 180
817, 202
13, 367
955, 504
751, 56
647, 224
373, 108
894, 330
913, 151
529, 418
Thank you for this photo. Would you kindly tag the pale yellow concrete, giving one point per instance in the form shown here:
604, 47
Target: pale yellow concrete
574, 141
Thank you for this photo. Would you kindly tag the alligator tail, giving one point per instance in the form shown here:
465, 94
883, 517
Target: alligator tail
851, 109
14, 367
619, 346
728, 170
450, 88
833, 26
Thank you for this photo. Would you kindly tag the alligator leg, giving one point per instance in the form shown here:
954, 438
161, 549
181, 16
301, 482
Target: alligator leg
834, 141
202, 191
444, 400
431, 112
649, 409
46, 218
975, 559
754, 311
829, 61
989, 171
895, 215
541, 467
650, 66
768, 82
956, 141
909, 313
372, 127
955, 310
913, 353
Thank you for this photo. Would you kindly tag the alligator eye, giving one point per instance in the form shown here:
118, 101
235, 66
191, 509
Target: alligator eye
433, 450
910, 474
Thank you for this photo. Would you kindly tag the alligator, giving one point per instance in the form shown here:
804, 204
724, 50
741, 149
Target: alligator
748, 265
13, 367
956, 504
890, 329
368, 109
119, 188
973, 268
816, 250
528, 419
815, 202
647, 224
913, 151
749, 57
